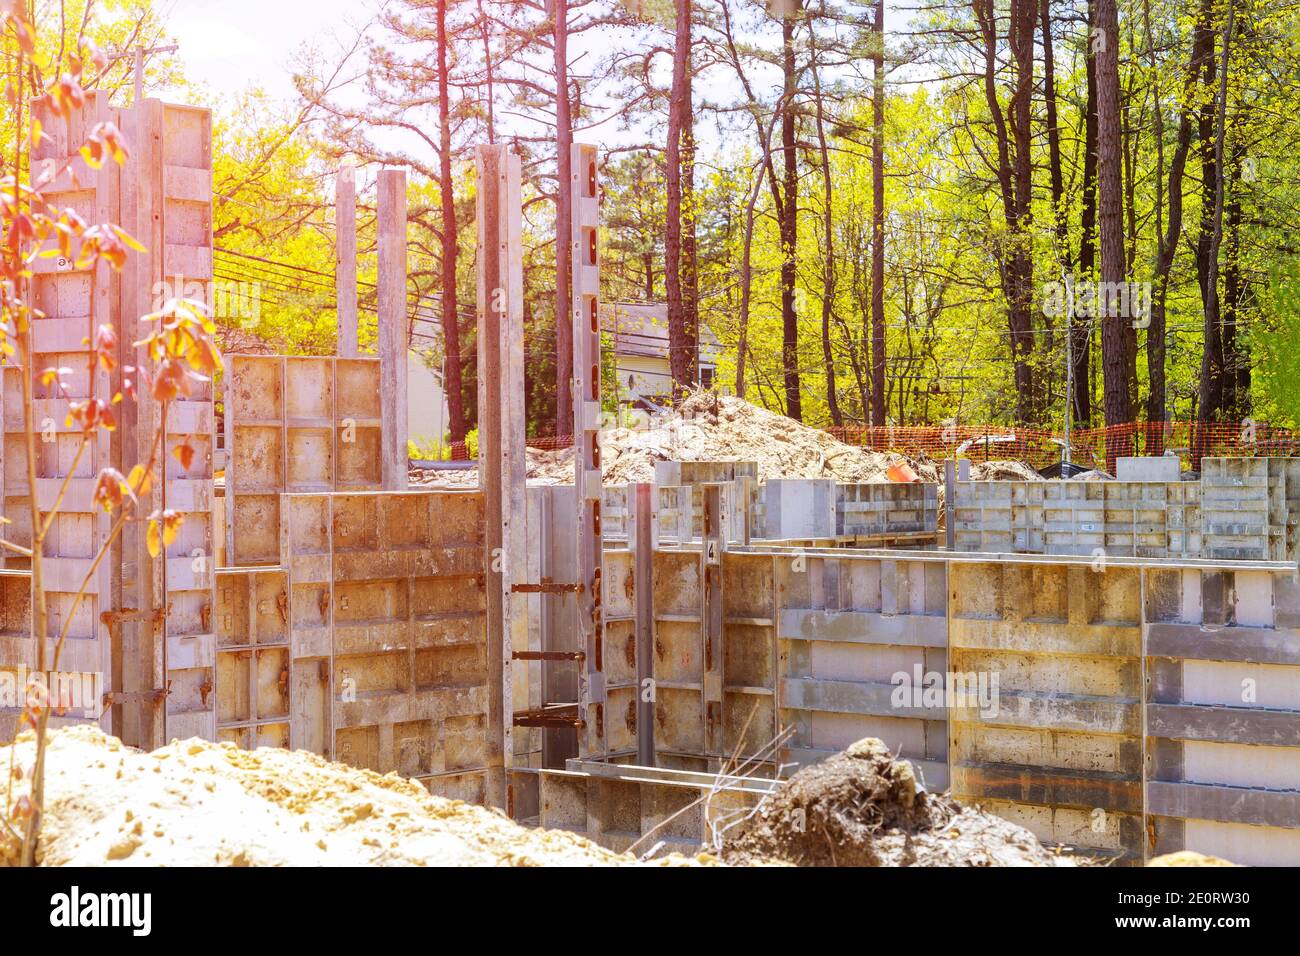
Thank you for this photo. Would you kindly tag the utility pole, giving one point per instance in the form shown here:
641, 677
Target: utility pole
138, 54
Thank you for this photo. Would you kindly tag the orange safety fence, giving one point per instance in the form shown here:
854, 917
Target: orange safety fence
1090, 447
1040, 447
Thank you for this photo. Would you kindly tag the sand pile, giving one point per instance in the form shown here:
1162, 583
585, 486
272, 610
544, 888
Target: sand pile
194, 803
1188, 858
862, 807
711, 427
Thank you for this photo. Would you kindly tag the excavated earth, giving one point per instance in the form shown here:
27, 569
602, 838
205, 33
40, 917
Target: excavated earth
711, 427
863, 807
194, 803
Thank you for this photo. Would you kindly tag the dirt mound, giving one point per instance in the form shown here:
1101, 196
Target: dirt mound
420, 478
863, 807
1003, 471
194, 803
1188, 858
711, 427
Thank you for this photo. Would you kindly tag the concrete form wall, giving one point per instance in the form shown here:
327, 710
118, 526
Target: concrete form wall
846, 628
158, 612
1223, 714
71, 300
1241, 509
1061, 753
1074, 748
294, 424
387, 603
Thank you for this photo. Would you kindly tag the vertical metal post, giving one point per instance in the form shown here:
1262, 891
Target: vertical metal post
642, 541
501, 443
713, 543
950, 502
345, 259
584, 295
393, 331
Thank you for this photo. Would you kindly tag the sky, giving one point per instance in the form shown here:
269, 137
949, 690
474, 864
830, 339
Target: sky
226, 45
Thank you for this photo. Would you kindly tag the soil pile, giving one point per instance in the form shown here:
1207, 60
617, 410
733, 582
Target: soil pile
194, 803
863, 807
711, 427
466, 478
1009, 470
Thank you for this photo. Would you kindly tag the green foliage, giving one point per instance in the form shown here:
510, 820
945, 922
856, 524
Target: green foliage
1277, 348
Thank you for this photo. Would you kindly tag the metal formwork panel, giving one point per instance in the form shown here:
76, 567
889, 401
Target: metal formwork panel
714, 656
1059, 749
885, 509
1223, 714
680, 511
184, 577
621, 689
257, 677
750, 718
1145, 519
1290, 468
584, 290
999, 516
743, 502
1136, 518
15, 643
500, 309
294, 424
1074, 517
860, 640
679, 659
386, 595
72, 302
1238, 498
1183, 520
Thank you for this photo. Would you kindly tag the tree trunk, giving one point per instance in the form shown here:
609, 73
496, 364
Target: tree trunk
690, 215
490, 94
790, 223
1232, 287
1023, 17
1234, 290
1210, 393
679, 344
563, 226
1213, 375
1167, 241
1054, 141
1081, 329
1119, 410
878, 411
746, 256
1014, 185
452, 387
828, 267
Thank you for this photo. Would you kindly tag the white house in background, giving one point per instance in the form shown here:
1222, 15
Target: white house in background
640, 338
426, 403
